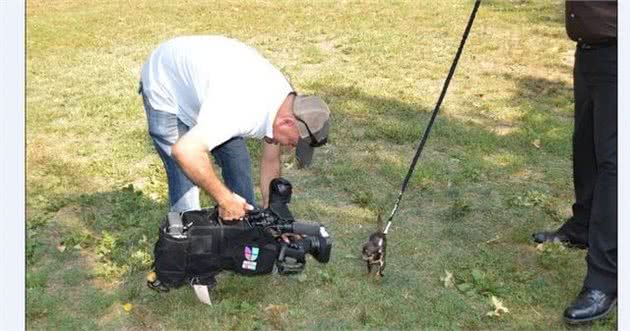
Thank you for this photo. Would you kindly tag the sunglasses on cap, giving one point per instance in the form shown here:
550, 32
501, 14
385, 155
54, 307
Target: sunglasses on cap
314, 142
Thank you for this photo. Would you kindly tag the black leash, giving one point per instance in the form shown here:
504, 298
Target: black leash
433, 115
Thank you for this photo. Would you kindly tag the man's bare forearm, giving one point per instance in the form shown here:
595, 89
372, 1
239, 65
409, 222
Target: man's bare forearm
194, 160
269, 169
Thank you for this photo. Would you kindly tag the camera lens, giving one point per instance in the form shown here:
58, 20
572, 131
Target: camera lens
318, 247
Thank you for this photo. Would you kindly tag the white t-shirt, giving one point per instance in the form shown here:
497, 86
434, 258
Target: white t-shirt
222, 86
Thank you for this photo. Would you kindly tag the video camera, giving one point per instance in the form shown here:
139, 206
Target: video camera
277, 220
196, 245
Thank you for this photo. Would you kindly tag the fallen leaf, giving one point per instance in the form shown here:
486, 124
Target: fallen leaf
557, 243
447, 280
127, 307
536, 143
61, 247
495, 239
498, 306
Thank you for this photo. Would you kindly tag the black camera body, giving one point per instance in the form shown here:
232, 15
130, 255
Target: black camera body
196, 245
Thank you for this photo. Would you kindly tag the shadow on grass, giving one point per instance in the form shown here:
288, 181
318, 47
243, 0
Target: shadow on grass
365, 122
544, 92
84, 254
107, 240
457, 172
547, 112
482, 185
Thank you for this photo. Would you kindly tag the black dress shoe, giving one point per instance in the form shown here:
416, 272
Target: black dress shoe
589, 305
557, 236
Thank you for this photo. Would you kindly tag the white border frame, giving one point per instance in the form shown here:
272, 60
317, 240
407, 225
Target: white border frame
12, 165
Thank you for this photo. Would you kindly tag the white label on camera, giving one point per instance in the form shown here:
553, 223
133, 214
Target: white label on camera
323, 232
249, 265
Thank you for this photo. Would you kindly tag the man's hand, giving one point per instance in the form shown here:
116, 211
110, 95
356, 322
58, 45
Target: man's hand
233, 208
191, 153
288, 237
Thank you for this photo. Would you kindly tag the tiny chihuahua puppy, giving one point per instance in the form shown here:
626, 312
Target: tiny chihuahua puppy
375, 249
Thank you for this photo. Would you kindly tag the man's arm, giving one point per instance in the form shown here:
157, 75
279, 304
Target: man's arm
191, 153
269, 169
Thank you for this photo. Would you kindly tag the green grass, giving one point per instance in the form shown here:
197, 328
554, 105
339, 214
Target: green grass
496, 168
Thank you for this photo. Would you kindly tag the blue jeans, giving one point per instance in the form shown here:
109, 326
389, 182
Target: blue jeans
232, 157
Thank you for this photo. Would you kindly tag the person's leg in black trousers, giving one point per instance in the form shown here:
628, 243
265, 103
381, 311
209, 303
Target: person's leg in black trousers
595, 178
575, 230
584, 165
599, 70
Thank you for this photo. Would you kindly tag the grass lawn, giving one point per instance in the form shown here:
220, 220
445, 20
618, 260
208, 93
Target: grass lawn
496, 168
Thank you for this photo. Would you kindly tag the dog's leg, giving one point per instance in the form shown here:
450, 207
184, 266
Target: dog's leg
383, 266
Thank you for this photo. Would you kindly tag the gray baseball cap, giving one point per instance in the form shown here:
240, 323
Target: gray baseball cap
313, 124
